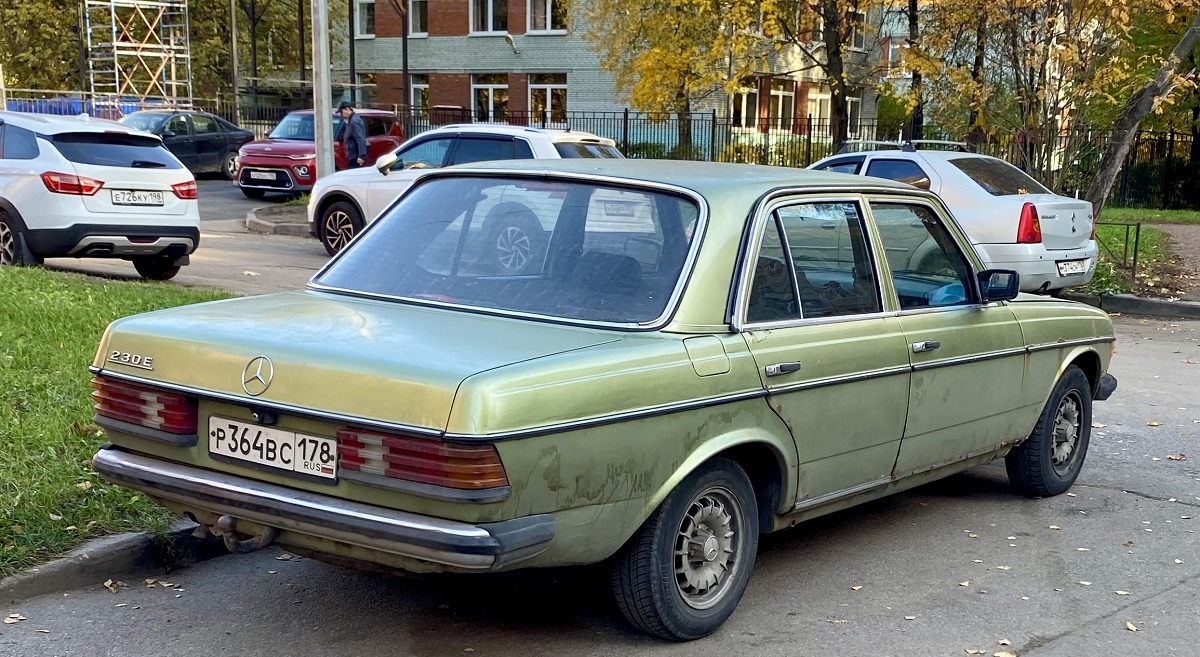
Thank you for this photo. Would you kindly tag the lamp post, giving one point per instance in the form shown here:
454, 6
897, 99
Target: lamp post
322, 94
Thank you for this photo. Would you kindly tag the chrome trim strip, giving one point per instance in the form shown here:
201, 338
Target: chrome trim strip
846, 378
609, 419
672, 305
1070, 343
252, 402
974, 358
441, 541
839, 494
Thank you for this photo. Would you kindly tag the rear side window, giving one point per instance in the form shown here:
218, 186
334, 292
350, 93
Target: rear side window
18, 143
997, 177
578, 149
109, 149
905, 171
377, 126
483, 150
205, 125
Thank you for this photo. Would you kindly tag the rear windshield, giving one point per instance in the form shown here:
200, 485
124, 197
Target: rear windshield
570, 250
112, 149
578, 149
997, 177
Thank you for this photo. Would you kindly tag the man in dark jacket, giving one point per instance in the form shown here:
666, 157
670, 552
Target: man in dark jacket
353, 134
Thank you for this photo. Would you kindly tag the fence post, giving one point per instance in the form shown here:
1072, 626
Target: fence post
808, 134
1137, 241
625, 133
712, 143
1169, 171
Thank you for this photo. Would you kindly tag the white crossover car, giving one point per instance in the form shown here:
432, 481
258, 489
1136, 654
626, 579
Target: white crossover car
342, 203
1014, 221
79, 187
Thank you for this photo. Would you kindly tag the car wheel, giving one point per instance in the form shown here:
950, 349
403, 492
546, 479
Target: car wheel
255, 194
682, 575
339, 224
13, 250
156, 268
1050, 460
229, 166
516, 238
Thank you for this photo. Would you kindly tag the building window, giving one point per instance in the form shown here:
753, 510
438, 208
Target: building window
858, 31
364, 19
548, 97
745, 107
420, 93
365, 91
418, 17
853, 107
548, 15
489, 16
783, 102
894, 64
491, 97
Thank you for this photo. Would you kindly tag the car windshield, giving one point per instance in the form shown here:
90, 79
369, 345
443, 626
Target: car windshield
144, 121
579, 149
997, 177
570, 250
298, 127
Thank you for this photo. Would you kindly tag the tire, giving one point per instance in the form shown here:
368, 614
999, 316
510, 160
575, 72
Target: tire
156, 268
229, 165
1049, 462
659, 599
255, 194
339, 223
517, 240
13, 249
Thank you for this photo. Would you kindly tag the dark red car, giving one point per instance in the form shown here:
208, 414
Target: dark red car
285, 161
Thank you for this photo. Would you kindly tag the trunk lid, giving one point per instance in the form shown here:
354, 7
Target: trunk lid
1066, 222
377, 360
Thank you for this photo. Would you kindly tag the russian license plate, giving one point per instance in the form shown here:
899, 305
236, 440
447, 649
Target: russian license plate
262, 175
274, 448
129, 197
1072, 267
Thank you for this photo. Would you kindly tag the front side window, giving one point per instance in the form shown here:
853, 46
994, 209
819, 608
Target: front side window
548, 97
178, 125
928, 268
489, 15
547, 15
428, 154
997, 177
17, 143
850, 165
364, 19
578, 251
905, 171
491, 97
418, 17
146, 122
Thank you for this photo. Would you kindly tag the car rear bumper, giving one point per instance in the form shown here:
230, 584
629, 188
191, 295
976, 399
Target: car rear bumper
1039, 266
113, 241
450, 543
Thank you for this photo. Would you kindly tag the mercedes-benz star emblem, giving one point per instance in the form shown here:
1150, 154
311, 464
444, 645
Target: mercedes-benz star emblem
256, 378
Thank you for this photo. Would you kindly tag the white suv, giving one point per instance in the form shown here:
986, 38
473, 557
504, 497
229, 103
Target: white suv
80, 187
342, 203
1014, 222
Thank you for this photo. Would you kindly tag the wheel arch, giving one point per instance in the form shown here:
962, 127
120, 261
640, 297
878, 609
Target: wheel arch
9, 209
1088, 361
336, 196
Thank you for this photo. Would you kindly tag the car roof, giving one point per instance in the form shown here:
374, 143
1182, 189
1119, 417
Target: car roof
53, 124
911, 155
362, 111
555, 134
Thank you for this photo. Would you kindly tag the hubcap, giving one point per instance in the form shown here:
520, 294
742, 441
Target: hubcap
513, 249
708, 548
8, 245
338, 229
231, 166
1066, 432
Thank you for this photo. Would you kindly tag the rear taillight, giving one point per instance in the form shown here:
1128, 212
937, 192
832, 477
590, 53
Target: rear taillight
1030, 229
68, 183
186, 190
466, 467
145, 407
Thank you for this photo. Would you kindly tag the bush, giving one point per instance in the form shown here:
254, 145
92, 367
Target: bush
789, 152
690, 152
647, 150
743, 154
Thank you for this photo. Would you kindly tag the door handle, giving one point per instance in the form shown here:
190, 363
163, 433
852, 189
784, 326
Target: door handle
928, 345
782, 368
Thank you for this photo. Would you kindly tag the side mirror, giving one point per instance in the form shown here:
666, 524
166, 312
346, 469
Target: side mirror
999, 285
385, 162
167, 134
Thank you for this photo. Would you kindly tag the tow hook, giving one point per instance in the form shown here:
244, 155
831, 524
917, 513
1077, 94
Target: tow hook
226, 528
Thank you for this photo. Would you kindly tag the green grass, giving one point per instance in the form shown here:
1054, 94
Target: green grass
1112, 275
50, 325
1148, 216
301, 200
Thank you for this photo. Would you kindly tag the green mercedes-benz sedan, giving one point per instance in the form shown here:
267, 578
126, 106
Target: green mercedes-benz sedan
642, 363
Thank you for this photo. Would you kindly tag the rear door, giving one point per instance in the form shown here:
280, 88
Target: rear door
176, 135
137, 172
210, 142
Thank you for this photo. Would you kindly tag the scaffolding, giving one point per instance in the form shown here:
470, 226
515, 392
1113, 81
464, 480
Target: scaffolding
138, 50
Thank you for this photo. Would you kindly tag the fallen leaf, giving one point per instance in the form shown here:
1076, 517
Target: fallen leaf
1172, 500
1012, 538
1072, 495
1130, 626
1003, 654
972, 651
110, 585
1121, 592
855, 588
1176, 457
1002, 567
979, 561
250, 273
1152, 423
910, 618
1083, 549
121, 604
966, 583
150, 580
84, 485
1179, 561
468, 650
287, 557
71, 528
272, 572
1097, 425
1155, 458
1005, 642
44, 631
838, 621
972, 535
1085, 583
1055, 527
55, 517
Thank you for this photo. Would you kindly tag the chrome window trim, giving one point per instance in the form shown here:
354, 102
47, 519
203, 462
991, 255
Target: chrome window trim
669, 310
766, 210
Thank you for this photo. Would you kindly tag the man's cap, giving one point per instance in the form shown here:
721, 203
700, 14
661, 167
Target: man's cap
345, 105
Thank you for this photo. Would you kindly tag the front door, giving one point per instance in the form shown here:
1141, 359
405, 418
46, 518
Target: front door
177, 137
835, 366
967, 357
410, 161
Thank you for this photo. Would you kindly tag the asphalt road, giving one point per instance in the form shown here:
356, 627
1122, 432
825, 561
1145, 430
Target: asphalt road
1130, 527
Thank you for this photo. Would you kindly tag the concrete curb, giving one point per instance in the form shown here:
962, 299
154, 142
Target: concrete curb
1129, 304
256, 224
127, 556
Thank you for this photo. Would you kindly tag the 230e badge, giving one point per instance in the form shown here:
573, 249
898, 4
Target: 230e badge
132, 360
